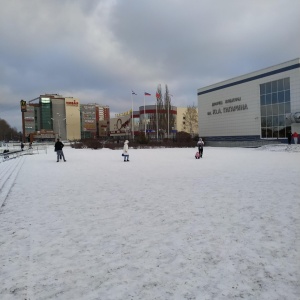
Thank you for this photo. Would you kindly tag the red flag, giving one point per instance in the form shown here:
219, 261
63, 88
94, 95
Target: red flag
147, 94
157, 95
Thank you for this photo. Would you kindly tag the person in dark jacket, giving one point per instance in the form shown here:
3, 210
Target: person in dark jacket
200, 145
58, 149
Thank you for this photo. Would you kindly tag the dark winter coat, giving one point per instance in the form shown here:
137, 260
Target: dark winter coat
200, 144
58, 146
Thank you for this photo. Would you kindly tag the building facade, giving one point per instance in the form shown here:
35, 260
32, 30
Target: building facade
149, 120
89, 124
51, 116
187, 121
261, 105
156, 122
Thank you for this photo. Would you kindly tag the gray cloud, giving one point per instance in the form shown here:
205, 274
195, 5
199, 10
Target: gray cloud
99, 51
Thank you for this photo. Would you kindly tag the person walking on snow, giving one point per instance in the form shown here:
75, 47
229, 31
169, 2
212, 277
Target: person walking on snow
58, 149
295, 136
200, 145
125, 151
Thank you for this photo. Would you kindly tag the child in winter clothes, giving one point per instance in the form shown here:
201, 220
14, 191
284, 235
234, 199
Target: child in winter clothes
125, 151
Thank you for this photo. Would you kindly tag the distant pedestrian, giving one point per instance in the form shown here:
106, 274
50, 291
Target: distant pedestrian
289, 136
125, 151
58, 149
22, 146
200, 145
295, 136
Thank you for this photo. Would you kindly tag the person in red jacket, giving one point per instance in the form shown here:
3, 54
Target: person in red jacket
295, 136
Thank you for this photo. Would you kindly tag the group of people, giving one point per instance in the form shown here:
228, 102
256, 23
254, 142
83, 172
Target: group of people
23, 145
58, 147
200, 145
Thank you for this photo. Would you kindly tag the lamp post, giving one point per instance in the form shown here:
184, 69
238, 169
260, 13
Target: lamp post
169, 95
127, 132
58, 125
173, 133
168, 117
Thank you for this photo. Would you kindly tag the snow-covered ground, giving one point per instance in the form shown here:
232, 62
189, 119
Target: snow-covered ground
162, 226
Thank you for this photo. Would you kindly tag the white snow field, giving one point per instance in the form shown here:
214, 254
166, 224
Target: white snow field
163, 226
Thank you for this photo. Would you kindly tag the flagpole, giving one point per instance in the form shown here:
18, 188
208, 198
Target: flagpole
145, 113
156, 121
168, 115
132, 128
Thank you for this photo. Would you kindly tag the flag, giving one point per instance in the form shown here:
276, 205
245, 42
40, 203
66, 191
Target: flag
157, 95
147, 94
133, 93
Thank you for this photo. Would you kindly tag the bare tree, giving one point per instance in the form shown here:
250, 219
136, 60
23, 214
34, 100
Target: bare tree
160, 107
190, 120
169, 119
8, 133
165, 120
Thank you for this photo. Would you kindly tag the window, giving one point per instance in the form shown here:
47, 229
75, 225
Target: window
274, 98
275, 109
275, 102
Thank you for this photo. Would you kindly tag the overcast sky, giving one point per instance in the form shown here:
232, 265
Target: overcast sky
101, 50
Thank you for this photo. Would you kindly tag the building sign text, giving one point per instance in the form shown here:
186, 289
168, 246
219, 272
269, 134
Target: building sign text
227, 109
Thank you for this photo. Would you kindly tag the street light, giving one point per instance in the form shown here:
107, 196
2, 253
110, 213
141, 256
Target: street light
173, 132
127, 132
58, 118
58, 124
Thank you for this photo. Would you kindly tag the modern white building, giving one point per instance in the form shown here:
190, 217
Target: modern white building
261, 105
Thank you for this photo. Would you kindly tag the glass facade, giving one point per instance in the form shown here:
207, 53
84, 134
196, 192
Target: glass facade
46, 114
275, 103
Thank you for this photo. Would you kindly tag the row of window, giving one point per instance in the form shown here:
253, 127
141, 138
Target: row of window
275, 109
275, 132
275, 86
278, 97
273, 121
275, 103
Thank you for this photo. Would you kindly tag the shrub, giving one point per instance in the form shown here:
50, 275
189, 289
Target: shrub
92, 143
183, 137
77, 145
142, 139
